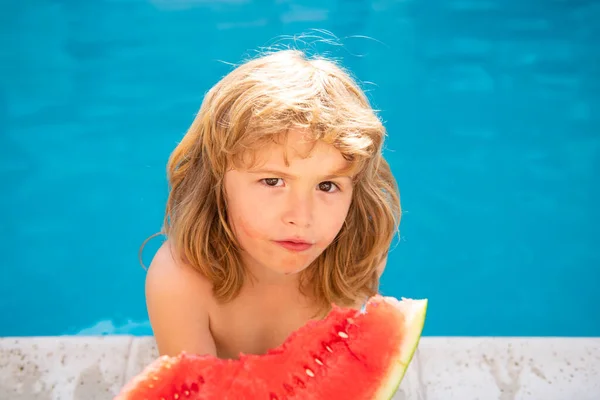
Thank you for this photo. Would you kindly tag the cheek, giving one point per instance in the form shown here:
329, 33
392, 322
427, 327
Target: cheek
247, 225
333, 221
248, 228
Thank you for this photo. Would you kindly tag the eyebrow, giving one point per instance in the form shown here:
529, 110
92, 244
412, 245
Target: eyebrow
336, 174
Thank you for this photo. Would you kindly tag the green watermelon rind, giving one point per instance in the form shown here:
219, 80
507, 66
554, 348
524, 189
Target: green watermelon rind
411, 338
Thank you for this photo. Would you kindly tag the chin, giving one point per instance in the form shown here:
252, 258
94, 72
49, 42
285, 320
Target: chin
293, 271
290, 272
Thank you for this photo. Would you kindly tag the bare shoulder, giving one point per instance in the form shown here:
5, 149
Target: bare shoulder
178, 299
167, 269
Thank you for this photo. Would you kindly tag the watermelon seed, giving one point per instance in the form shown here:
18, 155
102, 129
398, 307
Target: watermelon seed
343, 335
318, 361
327, 347
288, 389
176, 396
299, 382
185, 390
310, 373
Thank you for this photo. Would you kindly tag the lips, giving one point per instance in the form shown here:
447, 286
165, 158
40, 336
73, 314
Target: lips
294, 244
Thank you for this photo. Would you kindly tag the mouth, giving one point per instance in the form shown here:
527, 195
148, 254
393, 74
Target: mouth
294, 244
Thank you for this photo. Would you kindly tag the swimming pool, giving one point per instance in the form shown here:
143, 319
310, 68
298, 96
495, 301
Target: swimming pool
494, 135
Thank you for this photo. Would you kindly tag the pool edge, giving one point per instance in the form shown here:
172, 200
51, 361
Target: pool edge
96, 367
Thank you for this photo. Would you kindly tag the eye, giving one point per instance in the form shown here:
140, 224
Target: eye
271, 181
329, 187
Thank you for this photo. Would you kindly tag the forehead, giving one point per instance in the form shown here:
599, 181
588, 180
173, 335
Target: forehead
297, 150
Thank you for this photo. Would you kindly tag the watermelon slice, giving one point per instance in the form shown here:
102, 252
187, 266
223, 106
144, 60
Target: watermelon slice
351, 355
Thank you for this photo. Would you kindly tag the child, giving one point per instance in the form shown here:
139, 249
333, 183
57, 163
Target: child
281, 204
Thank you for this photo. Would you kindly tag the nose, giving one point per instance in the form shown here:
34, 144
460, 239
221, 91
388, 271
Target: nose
299, 210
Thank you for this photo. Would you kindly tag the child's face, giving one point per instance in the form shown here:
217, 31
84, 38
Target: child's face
273, 205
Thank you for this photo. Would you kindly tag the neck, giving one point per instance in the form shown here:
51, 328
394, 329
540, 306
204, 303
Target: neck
262, 277
277, 290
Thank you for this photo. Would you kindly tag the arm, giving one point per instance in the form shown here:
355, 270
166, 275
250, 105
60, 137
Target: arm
177, 298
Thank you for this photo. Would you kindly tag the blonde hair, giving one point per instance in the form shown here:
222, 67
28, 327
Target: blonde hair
258, 102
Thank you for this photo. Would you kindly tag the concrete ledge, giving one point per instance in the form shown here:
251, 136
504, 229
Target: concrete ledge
510, 368
90, 368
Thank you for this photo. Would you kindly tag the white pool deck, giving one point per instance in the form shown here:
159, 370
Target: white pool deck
90, 368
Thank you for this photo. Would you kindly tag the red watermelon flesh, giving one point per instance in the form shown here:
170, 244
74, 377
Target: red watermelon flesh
184, 377
351, 355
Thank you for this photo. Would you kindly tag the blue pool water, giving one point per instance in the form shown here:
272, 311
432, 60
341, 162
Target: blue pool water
494, 136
